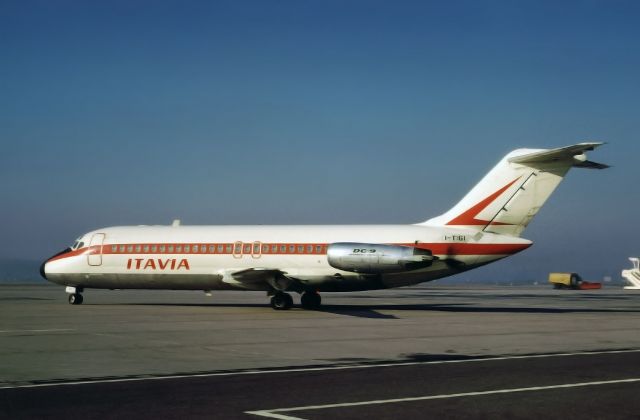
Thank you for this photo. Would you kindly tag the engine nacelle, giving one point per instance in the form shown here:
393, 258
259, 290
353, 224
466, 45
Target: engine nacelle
377, 258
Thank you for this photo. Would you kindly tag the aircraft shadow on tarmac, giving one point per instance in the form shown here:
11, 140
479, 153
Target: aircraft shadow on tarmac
372, 311
347, 310
367, 311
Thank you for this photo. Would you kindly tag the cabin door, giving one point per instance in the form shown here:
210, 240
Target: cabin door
95, 249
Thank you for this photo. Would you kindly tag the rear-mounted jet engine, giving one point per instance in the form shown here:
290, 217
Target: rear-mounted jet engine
377, 258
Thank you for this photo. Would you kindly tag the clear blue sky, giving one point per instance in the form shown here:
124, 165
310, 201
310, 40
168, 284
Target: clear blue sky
270, 112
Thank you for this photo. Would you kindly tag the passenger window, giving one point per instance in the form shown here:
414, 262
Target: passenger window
121, 248
238, 249
145, 248
161, 248
212, 248
170, 249
228, 248
256, 248
300, 249
138, 248
274, 249
154, 248
292, 249
178, 248
129, 248
114, 248
309, 249
247, 249
283, 248
187, 248
318, 249
265, 248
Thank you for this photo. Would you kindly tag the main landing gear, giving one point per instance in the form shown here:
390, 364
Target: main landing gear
310, 300
283, 301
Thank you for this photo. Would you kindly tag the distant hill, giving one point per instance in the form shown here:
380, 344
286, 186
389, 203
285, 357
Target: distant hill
20, 271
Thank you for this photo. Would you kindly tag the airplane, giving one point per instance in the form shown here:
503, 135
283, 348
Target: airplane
485, 226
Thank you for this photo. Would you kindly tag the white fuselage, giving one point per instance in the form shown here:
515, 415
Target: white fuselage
208, 257
484, 226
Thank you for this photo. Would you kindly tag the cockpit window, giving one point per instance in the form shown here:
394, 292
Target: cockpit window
77, 244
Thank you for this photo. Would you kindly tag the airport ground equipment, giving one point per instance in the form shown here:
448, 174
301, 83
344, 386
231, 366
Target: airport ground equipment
571, 281
633, 275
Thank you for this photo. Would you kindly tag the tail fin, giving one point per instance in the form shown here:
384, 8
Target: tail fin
511, 194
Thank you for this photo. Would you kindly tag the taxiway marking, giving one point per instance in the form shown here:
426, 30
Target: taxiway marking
314, 369
36, 331
274, 413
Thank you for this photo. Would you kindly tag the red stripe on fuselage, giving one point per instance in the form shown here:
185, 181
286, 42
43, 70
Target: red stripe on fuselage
471, 249
70, 254
445, 248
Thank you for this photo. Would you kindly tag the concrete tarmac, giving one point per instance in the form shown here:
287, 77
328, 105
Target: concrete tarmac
144, 334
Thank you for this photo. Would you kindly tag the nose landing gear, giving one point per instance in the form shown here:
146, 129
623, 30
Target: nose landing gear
75, 297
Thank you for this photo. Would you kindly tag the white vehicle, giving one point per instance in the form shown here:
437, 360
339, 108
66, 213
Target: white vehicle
633, 275
483, 227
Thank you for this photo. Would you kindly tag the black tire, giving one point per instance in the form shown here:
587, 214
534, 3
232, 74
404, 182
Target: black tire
281, 301
289, 300
75, 299
310, 300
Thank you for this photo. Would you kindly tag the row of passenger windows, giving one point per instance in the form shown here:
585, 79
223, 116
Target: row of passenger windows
237, 248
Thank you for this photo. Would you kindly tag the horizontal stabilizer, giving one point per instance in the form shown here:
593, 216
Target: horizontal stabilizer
575, 153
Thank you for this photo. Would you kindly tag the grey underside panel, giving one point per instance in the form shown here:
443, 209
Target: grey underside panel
209, 282
214, 282
144, 281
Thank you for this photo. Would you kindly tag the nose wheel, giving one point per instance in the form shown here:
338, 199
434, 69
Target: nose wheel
75, 299
281, 301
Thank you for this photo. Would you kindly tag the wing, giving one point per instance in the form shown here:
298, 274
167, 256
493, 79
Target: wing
257, 278
574, 152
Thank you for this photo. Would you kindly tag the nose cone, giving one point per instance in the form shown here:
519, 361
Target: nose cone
43, 272
43, 266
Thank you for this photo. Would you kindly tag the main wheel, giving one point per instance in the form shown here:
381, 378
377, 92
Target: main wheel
310, 300
75, 299
281, 301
